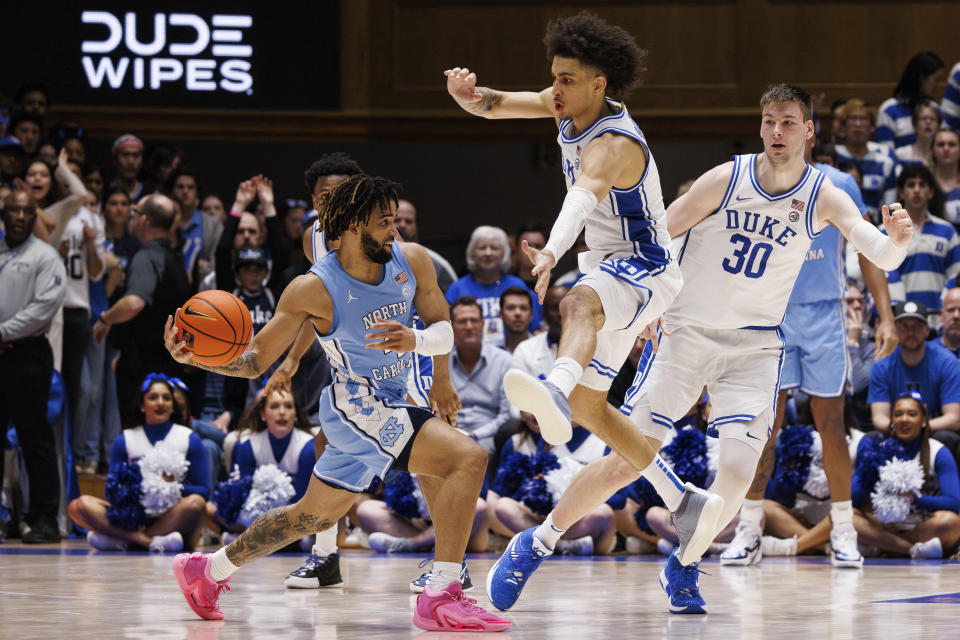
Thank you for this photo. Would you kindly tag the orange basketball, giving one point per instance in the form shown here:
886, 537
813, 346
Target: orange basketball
216, 326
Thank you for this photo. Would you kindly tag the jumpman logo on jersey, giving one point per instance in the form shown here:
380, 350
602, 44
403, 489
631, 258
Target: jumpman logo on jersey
351, 297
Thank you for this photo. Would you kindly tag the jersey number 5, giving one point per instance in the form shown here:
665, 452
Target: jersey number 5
755, 259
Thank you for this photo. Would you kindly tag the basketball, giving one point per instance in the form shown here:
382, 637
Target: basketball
216, 326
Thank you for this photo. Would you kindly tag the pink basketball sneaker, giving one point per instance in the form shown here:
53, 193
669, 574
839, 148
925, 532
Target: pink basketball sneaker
192, 571
450, 610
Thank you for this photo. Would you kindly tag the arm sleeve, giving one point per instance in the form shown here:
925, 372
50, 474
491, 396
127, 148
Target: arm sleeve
949, 499
243, 458
860, 495
143, 276
198, 473
49, 289
223, 260
305, 464
118, 450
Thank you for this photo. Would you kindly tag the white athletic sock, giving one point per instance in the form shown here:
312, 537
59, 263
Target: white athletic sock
752, 511
443, 574
326, 542
548, 532
220, 566
665, 481
565, 374
841, 513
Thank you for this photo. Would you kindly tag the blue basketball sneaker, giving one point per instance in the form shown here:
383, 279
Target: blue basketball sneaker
507, 577
682, 585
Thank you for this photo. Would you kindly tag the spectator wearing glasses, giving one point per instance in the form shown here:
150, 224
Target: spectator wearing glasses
895, 127
32, 278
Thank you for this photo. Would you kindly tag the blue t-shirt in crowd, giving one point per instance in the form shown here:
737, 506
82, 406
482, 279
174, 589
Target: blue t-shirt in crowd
488, 295
936, 378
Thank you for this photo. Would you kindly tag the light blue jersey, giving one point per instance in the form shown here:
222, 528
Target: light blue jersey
356, 307
822, 276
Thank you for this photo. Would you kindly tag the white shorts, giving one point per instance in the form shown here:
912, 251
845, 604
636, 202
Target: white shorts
739, 367
632, 298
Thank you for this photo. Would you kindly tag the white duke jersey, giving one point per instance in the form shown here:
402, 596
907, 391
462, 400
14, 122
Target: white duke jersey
739, 263
628, 222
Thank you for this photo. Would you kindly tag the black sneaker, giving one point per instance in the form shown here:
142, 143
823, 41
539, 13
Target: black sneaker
42, 533
316, 572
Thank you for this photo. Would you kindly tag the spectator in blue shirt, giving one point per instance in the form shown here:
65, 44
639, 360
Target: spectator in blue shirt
877, 163
933, 255
949, 337
951, 98
917, 366
920, 77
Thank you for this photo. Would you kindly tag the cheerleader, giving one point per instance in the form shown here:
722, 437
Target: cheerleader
930, 526
162, 468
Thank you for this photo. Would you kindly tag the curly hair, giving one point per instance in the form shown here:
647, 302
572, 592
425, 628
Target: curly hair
595, 43
336, 163
353, 200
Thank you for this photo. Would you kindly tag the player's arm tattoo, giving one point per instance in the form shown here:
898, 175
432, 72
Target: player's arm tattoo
486, 103
243, 367
271, 531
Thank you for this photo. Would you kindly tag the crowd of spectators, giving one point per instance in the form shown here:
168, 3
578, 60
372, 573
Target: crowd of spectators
94, 259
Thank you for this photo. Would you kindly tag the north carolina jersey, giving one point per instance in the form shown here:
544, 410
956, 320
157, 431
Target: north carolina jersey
356, 306
628, 222
739, 263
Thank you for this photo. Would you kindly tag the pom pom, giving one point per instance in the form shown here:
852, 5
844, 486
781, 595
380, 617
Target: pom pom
793, 457
536, 496
560, 478
643, 493
896, 477
164, 460
543, 462
398, 494
271, 488
231, 494
873, 456
511, 473
122, 491
816, 484
687, 455
163, 469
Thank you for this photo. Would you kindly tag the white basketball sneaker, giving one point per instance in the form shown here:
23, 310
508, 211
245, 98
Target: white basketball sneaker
745, 549
843, 547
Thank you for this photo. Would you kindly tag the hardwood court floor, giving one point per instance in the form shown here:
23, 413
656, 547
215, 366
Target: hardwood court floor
67, 591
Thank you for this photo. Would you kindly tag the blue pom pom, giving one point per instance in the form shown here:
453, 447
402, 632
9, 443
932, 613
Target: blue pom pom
122, 491
793, 457
536, 496
543, 462
511, 473
643, 493
398, 494
688, 456
230, 496
873, 456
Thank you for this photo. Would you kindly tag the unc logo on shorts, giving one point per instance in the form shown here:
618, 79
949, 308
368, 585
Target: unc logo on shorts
390, 432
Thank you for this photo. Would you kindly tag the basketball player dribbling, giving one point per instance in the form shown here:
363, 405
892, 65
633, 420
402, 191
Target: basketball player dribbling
613, 191
746, 227
359, 300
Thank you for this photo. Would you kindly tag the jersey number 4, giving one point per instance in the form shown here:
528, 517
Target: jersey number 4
751, 258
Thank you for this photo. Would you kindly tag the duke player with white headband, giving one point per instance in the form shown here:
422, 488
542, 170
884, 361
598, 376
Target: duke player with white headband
743, 244
613, 193
359, 301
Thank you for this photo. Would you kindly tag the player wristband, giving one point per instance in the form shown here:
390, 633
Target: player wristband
435, 340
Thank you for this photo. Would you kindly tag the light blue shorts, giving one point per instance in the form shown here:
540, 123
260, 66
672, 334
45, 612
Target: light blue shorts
815, 358
367, 434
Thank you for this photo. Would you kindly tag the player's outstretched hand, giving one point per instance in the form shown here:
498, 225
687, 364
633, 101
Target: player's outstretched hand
462, 84
543, 263
391, 335
280, 379
177, 349
897, 223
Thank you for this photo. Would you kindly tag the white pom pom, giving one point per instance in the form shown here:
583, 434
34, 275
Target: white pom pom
272, 488
816, 484
162, 460
158, 494
559, 479
896, 477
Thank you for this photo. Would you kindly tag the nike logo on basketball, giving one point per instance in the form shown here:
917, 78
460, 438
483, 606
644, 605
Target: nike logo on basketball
189, 311
351, 297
